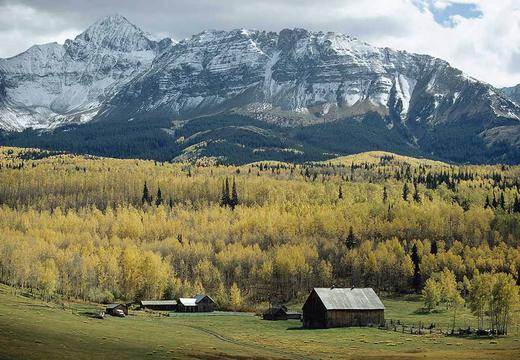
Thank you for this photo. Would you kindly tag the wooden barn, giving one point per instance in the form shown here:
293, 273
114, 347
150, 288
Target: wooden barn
341, 307
199, 303
112, 308
158, 305
280, 313
204, 303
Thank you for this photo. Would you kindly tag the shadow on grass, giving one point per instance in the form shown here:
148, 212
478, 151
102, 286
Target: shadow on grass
298, 328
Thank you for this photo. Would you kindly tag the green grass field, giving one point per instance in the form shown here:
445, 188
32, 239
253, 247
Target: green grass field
32, 329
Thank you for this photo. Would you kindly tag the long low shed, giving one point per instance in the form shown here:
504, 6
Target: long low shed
159, 305
342, 307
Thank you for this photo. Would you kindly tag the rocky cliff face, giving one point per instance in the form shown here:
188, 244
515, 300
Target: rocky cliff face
513, 93
51, 85
298, 77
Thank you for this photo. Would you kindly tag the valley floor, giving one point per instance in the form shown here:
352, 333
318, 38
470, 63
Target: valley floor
32, 329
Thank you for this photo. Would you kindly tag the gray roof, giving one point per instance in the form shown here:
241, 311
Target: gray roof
158, 302
349, 299
199, 297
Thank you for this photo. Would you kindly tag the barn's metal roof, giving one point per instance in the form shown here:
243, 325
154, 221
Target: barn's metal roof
158, 302
188, 301
200, 297
349, 299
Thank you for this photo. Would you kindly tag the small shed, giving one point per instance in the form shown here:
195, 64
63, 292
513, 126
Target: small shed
342, 307
111, 309
280, 313
204, 303
199, 303
158, 305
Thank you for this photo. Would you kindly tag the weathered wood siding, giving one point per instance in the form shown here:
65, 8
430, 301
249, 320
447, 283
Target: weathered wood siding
206, 305
160, 307
314, 312
340, 318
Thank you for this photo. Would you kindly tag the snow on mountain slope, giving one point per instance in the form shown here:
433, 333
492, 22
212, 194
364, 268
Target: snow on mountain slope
297, 77
50, 85
513, 93
114, 72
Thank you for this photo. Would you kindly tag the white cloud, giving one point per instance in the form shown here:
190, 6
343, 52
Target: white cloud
22, 26
483, 47
486, 47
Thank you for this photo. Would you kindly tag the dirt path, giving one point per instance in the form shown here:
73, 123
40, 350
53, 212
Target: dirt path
287, 354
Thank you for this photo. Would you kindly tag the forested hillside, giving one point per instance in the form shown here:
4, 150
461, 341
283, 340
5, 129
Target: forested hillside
103, 229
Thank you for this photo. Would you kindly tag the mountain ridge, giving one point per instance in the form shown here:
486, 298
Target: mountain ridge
49, 85
293, 80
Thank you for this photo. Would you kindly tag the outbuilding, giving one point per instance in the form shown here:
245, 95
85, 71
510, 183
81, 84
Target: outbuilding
204, 303
158, 305
112, 308
280, 313
198, 303
342, 307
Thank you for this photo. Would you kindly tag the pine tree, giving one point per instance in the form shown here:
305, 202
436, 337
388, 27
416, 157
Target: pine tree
351, 239
340, 193
494, 203
146, 195
406, 192
385, 194
433, 249
502, 201
158, 199
516, 205
417, 279
234, 196
416, 195
224, 197
487, 204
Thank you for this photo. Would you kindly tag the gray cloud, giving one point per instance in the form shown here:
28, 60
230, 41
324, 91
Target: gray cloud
181, 18
393, 23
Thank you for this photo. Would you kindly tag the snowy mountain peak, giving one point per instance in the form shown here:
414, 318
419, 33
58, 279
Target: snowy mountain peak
114, 32
50, 85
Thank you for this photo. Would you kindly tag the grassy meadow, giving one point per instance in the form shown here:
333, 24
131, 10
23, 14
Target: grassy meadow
32, 329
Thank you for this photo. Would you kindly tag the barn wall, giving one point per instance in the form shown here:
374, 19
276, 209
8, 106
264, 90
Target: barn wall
314, 313
206, 305
161, 307
182, 308
340, 318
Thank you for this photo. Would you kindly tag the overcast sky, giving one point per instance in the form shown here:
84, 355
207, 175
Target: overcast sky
481, 37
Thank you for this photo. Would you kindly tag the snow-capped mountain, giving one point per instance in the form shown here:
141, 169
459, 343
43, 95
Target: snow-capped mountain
299, 77
113, 73
50, 85
513, 93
